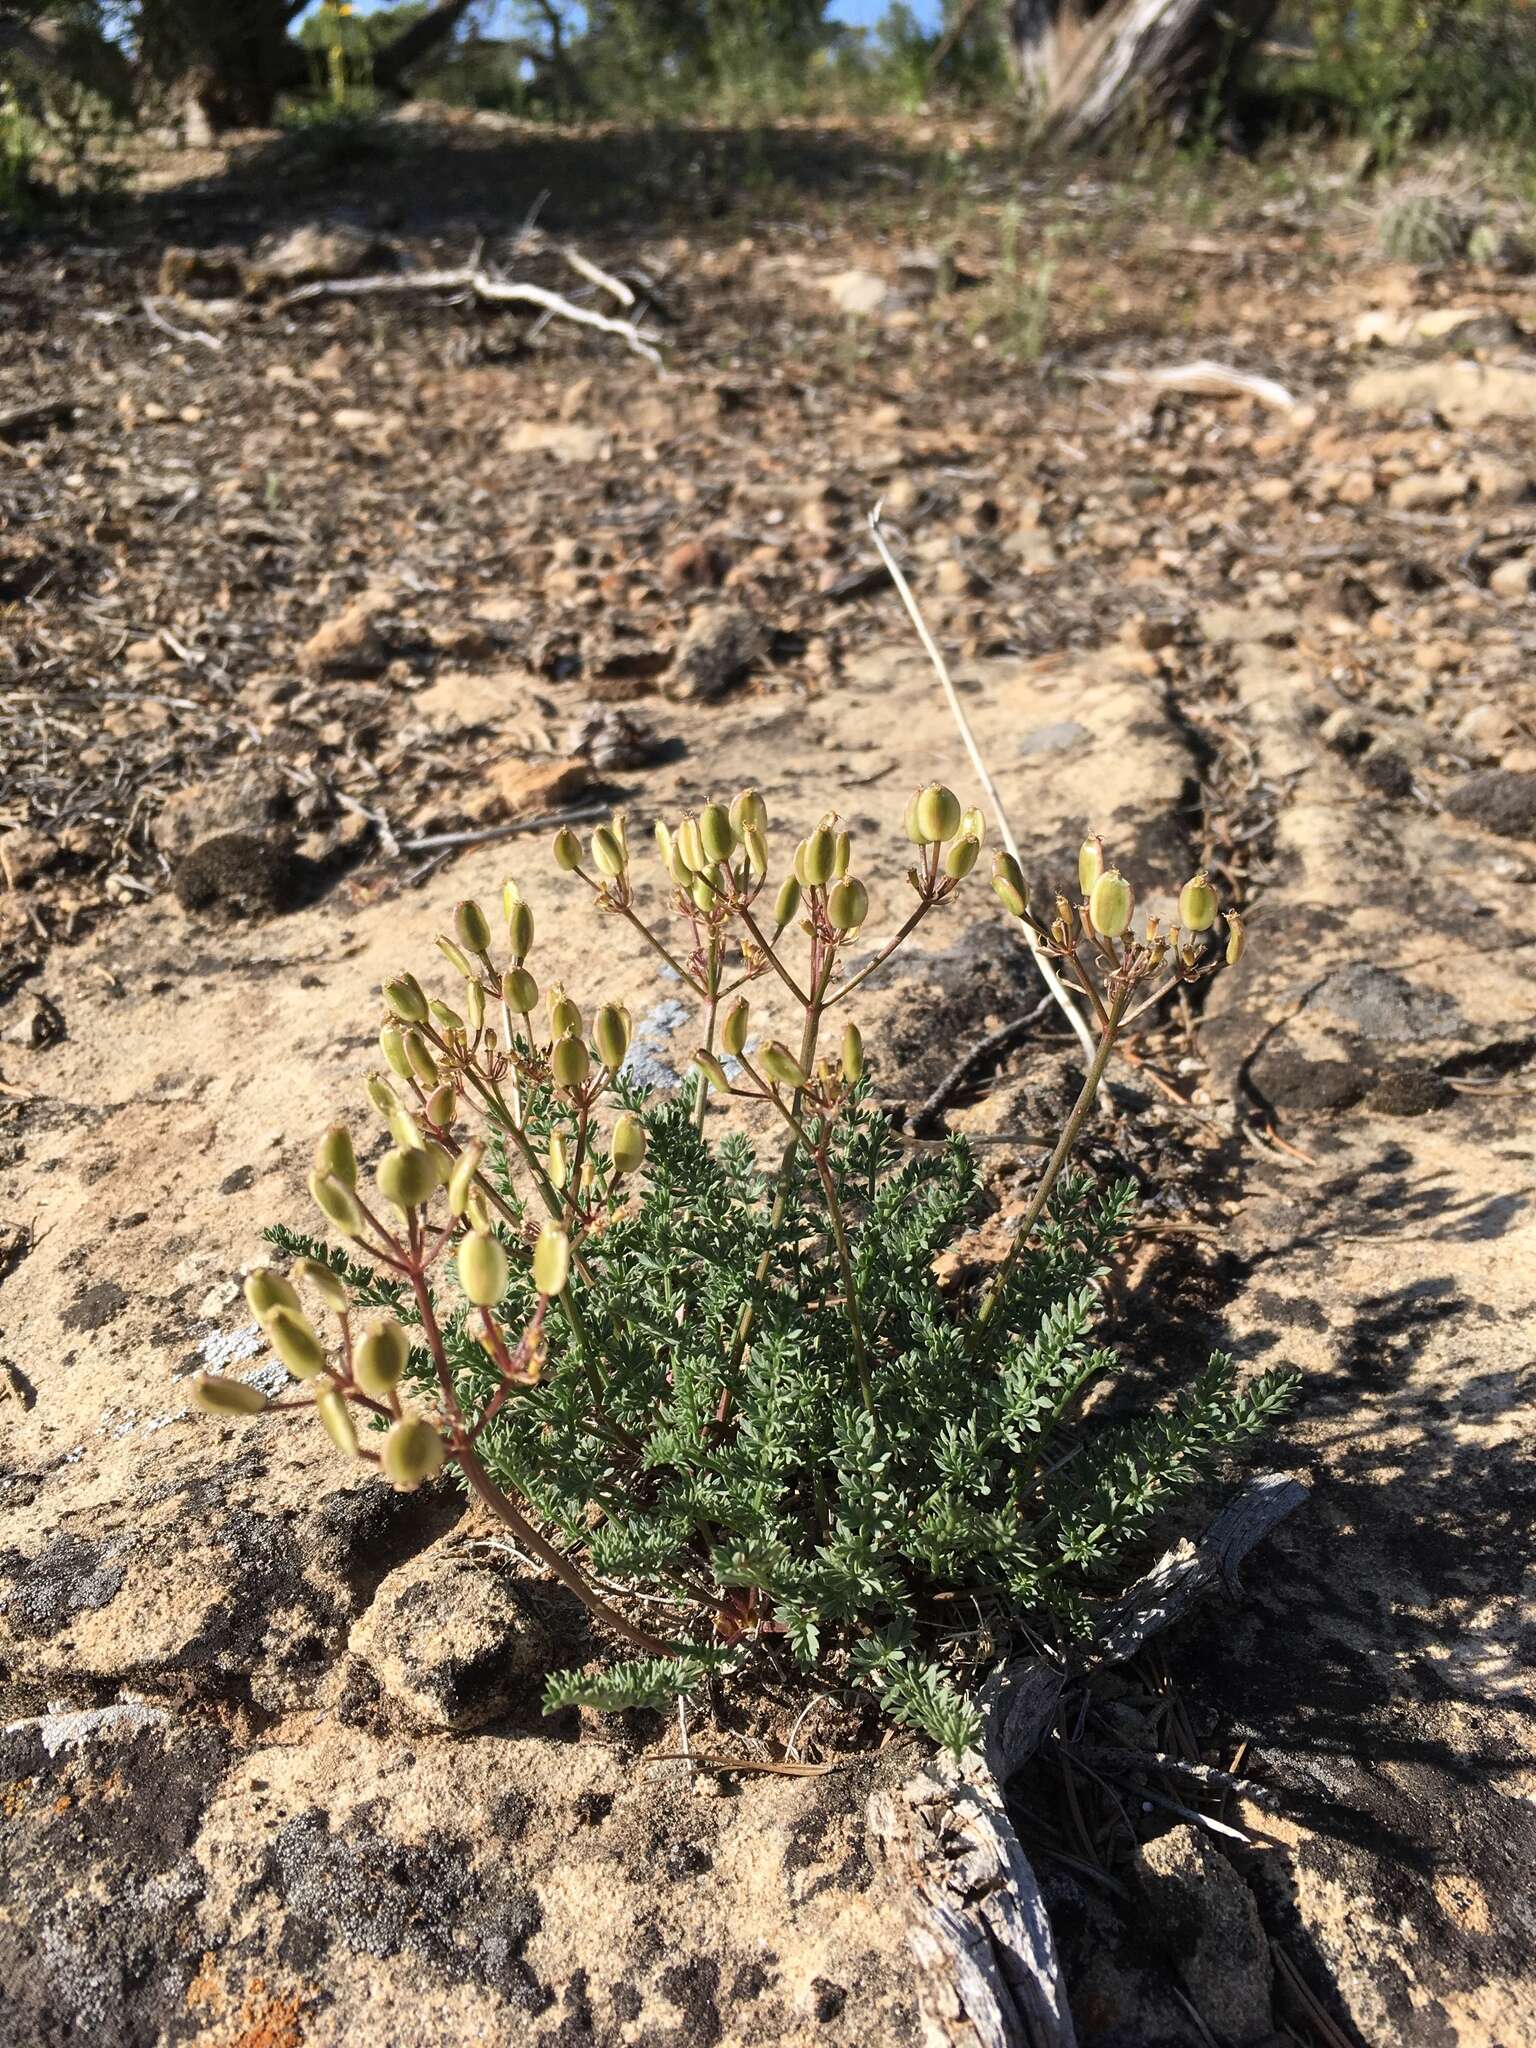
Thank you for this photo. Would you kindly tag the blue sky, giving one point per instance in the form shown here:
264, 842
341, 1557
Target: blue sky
859, 12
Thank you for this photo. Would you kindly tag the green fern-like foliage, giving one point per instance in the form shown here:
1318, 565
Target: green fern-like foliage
757, 1486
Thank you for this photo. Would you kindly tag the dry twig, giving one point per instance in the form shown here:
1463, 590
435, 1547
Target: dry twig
1048, 974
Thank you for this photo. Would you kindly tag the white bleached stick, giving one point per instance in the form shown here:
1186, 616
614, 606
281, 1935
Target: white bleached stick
1048, 974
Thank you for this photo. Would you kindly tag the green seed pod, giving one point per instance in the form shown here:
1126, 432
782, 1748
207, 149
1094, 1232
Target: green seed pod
564, 1017
570, 1062
627, 1150
442, 1105
446, 1018
704, 893
520, 930
556, 1163
407, 1177
454, 955
336, 1420
519, 991
938, 814
842, 854
413, 1452
551, 1260
471, 926
567, 850
266, 1290
717, 835
1090, 863
787, 902
380, 1356
216, 1395
688, 845
477, 1213
511, 896
610, 1034
337, 1203
392, 1045
442, 1160
757, 852
781, 1066
474, 1005
328, 1285
853, 1053
406, 998
1010, 885
664, 844
292, 1336
1110, 904
382, 1097
733, 1027
404, 1129
909, 823
820, 857
712, 1071
462, 1178
748, 812
419, 1053
961, 858
1197, 904
483, 1268
607, 854
1237, 938
847, 906
973, 825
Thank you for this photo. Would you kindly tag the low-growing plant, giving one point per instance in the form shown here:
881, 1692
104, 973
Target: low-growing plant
729, 1402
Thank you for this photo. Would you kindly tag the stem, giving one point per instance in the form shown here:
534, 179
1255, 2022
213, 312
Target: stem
482, 1484
701, 1099
881, 957
781, 1191
1071, 1131
840, 1239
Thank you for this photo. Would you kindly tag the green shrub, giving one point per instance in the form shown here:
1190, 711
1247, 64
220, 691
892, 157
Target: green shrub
738, 1385
1406, 68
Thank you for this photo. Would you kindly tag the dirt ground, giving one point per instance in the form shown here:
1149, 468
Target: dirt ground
292, 589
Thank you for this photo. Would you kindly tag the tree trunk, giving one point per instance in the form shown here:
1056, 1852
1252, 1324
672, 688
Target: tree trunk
1096, 66
413, 44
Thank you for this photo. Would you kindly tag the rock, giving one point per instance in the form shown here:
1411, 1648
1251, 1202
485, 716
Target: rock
692, 565
1410, 1091
1429, 491
252, 797
1501, 800
614, 741
720, 648
236, 875
520, 788
311, 253
563, 439
349, 644
1356, 487
24, 855
1204, 1920
1462, 394
200, 273
1498, 482
858, 292
1289, 1079
1512, 578
1463, 327
453, 1641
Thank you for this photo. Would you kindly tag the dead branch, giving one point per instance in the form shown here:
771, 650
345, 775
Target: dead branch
1178, 1579
988, 1975
493, 290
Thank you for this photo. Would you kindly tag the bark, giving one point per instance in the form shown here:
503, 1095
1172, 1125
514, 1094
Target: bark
1096, 66
413, 44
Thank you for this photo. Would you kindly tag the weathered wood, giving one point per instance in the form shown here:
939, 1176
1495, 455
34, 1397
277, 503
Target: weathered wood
1093, 66
988, 1974
1178, 1579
